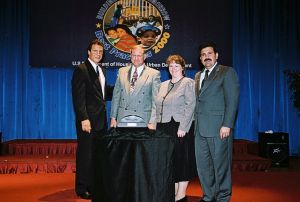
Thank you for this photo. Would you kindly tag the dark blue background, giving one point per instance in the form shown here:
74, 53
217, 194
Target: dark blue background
64, 28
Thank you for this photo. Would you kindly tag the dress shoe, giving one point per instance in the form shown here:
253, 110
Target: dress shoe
85, 195
184, 199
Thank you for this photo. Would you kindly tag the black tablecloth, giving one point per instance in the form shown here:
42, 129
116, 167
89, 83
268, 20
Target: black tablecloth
134, 165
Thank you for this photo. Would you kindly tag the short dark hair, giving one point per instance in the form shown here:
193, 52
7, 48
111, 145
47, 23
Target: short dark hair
125, 28
208, 44
140, 31
108, 29
93, 42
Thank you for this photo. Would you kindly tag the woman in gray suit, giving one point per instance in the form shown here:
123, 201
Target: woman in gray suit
175, 105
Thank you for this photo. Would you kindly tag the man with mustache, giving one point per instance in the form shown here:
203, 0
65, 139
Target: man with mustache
217, 90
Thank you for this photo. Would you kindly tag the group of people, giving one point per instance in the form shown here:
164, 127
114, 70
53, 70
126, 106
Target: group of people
198, 113
141, 32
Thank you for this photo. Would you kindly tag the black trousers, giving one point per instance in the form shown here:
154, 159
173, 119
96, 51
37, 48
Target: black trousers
85, 160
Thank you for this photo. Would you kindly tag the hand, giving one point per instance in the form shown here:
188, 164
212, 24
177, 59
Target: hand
151, 126
113, 123
86, 126
224, 132
181, 133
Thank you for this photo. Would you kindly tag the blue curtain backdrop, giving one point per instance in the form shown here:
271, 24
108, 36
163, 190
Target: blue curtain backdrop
266, 41
36, 102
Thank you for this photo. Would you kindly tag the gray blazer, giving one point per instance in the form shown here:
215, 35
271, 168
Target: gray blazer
141, 101
178, 102
217, 102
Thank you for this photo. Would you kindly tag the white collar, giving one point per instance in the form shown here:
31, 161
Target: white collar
211, 69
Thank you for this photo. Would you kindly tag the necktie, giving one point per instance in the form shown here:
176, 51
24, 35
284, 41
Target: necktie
205, 77
133, 80
97, 70
101, 79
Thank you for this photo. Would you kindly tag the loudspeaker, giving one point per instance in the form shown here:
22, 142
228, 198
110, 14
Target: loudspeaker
274, 146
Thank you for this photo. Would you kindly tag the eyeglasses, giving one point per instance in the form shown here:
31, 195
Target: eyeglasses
136, 56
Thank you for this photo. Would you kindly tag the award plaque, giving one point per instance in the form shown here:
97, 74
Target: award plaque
132, 121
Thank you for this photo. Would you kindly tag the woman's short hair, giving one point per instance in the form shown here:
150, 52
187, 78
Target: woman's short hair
177, 59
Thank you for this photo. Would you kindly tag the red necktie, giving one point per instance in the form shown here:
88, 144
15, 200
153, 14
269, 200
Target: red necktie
133, 80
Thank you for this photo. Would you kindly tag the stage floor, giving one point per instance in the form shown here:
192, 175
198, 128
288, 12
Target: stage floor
275, 186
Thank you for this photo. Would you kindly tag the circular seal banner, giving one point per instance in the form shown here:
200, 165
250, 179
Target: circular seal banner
122, 24
162, 27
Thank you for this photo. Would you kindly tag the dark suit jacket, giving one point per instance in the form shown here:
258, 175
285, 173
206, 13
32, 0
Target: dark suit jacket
88, 98
217, 101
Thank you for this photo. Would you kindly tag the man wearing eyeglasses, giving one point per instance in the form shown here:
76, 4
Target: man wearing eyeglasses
135, 89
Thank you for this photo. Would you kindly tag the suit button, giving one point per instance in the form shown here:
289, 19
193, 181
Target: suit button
125, 108
134, 110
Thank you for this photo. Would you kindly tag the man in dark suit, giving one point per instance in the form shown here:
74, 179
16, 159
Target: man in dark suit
217, 90
88, 91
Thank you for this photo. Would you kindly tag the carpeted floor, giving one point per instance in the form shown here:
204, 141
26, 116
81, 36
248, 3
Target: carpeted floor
52, 180
276, 186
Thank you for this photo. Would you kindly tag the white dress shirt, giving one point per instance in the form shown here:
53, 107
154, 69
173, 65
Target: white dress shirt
203, 74
139, 71
101, 75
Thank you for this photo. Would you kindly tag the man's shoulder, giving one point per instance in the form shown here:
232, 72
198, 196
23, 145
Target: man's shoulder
224, 68
83, 65
197, 75
151, 70
124, 69
80, 68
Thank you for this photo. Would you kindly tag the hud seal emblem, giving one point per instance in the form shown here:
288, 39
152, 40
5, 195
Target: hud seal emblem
122, 24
